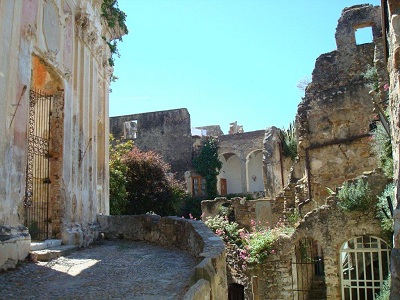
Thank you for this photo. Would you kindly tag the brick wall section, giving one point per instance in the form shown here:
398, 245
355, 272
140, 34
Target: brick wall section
209, 276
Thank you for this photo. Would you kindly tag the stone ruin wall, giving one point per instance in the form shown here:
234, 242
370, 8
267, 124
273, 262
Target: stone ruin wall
164, 132
392, 31
333, 121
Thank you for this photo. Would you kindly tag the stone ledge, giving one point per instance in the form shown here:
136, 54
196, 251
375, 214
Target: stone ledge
52, 253
191, 236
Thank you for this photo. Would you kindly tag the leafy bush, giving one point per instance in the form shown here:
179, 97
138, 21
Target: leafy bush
207, 164
254, 246
383, 211
118, 194
355, 196
191, 206
383, 149
372, 78
384, 294
150, 186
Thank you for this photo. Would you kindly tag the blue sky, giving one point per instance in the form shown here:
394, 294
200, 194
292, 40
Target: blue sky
223, 60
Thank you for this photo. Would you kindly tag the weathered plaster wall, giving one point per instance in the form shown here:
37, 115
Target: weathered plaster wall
164, 132
63, 40
333, 119
208, 280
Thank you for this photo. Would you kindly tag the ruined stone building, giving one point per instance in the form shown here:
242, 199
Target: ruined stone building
169, 134
321, 260
391, 33
54, 84
164, 132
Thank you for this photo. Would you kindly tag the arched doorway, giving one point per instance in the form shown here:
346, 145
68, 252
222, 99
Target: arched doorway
44, 152
364, 265
308, 277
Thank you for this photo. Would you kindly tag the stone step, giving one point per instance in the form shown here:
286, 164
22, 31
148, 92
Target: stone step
52, 253
45, 244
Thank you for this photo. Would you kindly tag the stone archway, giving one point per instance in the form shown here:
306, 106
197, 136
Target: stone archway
43, 206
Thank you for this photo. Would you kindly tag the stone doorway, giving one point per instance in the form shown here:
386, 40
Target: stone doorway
308, 279
42, 203
364, 265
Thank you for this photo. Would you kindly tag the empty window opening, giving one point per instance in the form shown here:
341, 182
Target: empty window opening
130, 129
364, 35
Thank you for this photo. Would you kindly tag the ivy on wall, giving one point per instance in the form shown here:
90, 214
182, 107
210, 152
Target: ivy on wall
115, 17
207, 164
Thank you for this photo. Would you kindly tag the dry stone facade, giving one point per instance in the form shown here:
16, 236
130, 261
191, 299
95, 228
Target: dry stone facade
54, 67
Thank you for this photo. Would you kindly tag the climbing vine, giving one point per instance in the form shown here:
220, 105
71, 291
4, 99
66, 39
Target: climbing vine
207, 164
114, 17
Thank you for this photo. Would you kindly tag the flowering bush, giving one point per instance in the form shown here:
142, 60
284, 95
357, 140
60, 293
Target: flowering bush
255, 245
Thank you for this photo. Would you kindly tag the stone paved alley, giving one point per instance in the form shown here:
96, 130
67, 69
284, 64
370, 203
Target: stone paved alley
111, 270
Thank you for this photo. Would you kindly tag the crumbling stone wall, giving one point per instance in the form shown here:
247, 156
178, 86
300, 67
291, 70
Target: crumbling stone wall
392, 29
209, 276
333, 121
164, 132
276, 167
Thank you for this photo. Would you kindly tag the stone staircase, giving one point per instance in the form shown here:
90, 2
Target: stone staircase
50, 249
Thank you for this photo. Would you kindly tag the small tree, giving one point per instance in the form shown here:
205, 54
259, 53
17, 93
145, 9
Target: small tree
208, 165
150, 186
118, 200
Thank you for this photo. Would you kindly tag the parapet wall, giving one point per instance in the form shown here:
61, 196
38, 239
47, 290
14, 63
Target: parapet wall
209, 279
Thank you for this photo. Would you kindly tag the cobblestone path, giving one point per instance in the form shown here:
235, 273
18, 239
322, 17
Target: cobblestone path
112, 270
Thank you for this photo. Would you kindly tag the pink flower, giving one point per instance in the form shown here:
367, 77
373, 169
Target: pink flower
386, 87
273, 251
253, 223
219, 232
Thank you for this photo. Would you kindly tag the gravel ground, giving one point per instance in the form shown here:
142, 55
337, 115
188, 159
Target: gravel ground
112, 270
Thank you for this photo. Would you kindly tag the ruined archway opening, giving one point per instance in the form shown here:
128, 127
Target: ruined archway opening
43, 205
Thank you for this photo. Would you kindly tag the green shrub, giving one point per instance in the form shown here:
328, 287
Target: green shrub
384, 294
355, 196
117, 170
207, 164
150, 186
383, 149
289, 141
383, 211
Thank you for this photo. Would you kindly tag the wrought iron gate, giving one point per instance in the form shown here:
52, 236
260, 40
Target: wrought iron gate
37, 171
365, 264
308, 278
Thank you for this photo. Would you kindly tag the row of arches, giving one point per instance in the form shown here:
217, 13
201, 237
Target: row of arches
241, 175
